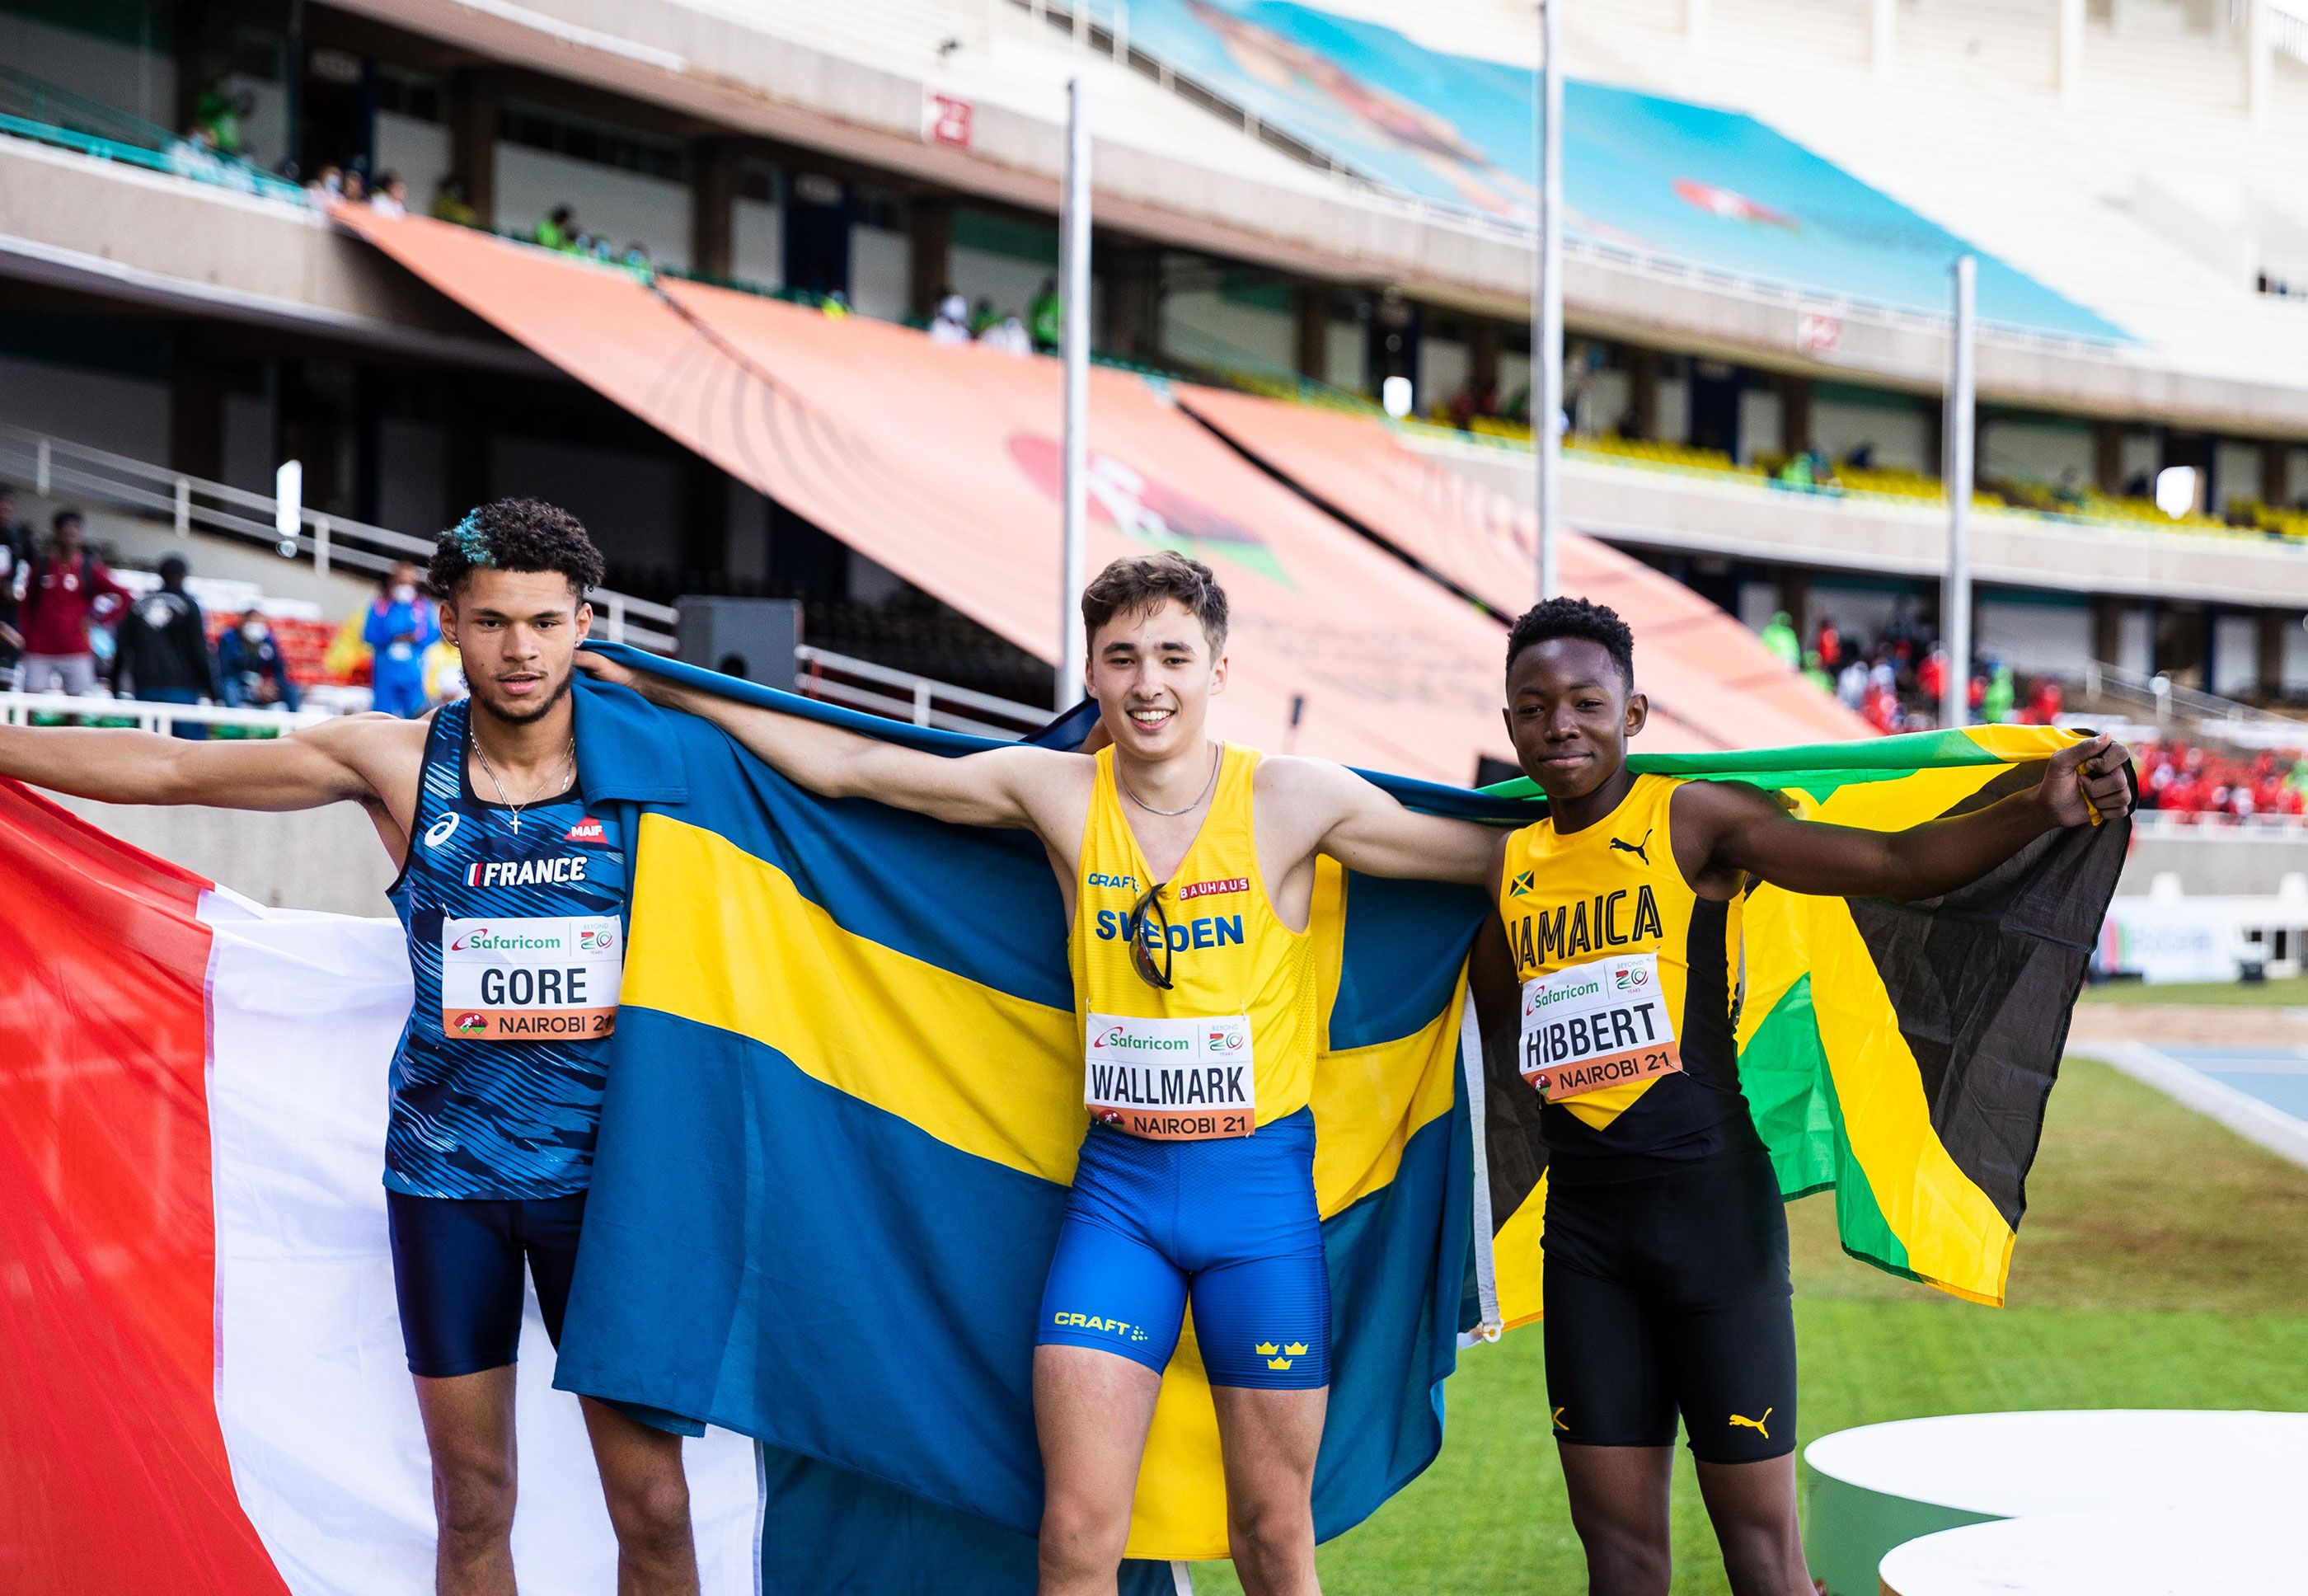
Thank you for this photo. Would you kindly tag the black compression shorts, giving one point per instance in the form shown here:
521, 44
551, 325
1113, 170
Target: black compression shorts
1670, 1292
457, 1268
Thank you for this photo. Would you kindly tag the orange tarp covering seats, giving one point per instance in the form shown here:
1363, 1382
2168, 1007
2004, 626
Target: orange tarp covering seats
942, 465
1697, 662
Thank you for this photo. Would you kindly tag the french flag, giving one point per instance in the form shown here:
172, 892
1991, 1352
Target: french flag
201, 1382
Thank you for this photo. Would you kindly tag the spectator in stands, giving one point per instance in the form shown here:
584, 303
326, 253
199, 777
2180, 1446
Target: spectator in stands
951, 325
449, 204
16, 562
2068, 493
2046, 702
162, 655
216, 114
1046, 318
1780, 641
355, 184
401, 626
1829, 643
328, 184
1851, 684
62, 594
252, 668
983, 317
1008, 335
558, 231
391, 196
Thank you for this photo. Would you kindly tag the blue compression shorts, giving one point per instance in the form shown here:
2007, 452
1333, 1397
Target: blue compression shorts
457, 1265
1228, 1226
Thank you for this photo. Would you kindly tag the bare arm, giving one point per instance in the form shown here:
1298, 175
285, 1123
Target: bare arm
322, 765
1732, 830
1366, 828
1001, 787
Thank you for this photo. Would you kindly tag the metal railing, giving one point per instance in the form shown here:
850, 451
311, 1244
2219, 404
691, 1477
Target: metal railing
54, 467
17, 709
2164, 699
901, 695
32, 108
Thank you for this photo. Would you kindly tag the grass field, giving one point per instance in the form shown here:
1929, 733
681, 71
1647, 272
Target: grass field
2160, 1265
2289, 992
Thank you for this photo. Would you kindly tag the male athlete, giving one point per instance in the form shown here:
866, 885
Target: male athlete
512, 889
1187, 869
1666, 1242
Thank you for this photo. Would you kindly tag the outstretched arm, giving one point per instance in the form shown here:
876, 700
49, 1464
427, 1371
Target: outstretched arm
1001, 787
1366, 828
322, 765
1732, 830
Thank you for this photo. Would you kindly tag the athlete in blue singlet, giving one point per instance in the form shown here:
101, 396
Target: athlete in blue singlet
512, 890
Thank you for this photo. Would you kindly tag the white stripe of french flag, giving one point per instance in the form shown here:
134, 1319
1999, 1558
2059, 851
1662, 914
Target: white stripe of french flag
201, 1382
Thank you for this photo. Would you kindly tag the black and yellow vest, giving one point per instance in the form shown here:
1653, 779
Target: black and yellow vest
1630, 993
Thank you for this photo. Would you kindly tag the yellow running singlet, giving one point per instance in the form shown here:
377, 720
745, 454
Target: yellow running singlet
1230, 1046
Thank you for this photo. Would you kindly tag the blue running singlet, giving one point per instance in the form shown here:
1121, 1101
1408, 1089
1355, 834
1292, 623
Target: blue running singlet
516, 940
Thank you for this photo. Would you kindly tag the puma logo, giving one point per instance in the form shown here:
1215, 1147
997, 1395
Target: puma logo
1637, 849
1739, 1420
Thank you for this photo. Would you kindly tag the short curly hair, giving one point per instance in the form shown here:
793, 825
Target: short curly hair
514, 535
1137, 583
1575, 618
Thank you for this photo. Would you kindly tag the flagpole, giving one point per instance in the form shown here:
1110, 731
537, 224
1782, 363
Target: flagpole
1955, 605
1546, 311
1073, 249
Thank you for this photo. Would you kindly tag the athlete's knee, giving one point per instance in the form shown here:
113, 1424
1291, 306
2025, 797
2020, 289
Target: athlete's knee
473, 1499
1763, 1559
652, 1511
1082, 1537
1271, 1532
1624, 1560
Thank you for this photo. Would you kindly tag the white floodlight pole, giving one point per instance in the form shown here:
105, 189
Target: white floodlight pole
1546, 312
1073, 249
1955, 634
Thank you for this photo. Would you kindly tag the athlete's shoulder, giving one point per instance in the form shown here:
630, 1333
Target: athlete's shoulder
1293, 777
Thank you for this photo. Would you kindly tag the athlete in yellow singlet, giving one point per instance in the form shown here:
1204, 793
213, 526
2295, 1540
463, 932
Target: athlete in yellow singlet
1187, 869
1614, 966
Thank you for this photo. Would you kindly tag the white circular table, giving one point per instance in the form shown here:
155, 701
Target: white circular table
2170, 1552
1882, 1485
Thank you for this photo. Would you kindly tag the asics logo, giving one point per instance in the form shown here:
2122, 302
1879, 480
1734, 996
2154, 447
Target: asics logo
440, 830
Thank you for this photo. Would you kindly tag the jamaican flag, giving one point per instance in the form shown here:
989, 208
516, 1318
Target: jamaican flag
1896, 1053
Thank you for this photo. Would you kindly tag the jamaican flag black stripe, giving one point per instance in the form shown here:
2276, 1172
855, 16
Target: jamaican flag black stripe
1898, 1054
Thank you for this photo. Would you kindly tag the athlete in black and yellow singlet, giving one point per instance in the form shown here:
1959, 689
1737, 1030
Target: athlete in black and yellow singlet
1665, 1246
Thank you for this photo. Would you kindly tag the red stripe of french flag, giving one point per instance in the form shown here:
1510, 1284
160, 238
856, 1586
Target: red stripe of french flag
202, 1386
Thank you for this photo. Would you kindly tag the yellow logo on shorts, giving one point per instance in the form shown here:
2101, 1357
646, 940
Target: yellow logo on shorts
1267, 1349
1739, 1420
1093, 1322
1558, 1420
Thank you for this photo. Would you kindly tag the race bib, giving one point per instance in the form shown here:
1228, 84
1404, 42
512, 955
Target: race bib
1603, 1024
523, 980
1170, 1080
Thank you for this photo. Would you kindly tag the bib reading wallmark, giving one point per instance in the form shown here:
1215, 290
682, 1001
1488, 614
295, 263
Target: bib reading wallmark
527, 978
1597, 1024
1170, 1080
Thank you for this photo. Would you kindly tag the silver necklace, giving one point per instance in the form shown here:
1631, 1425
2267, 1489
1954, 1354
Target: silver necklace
525, 803
1172, 814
